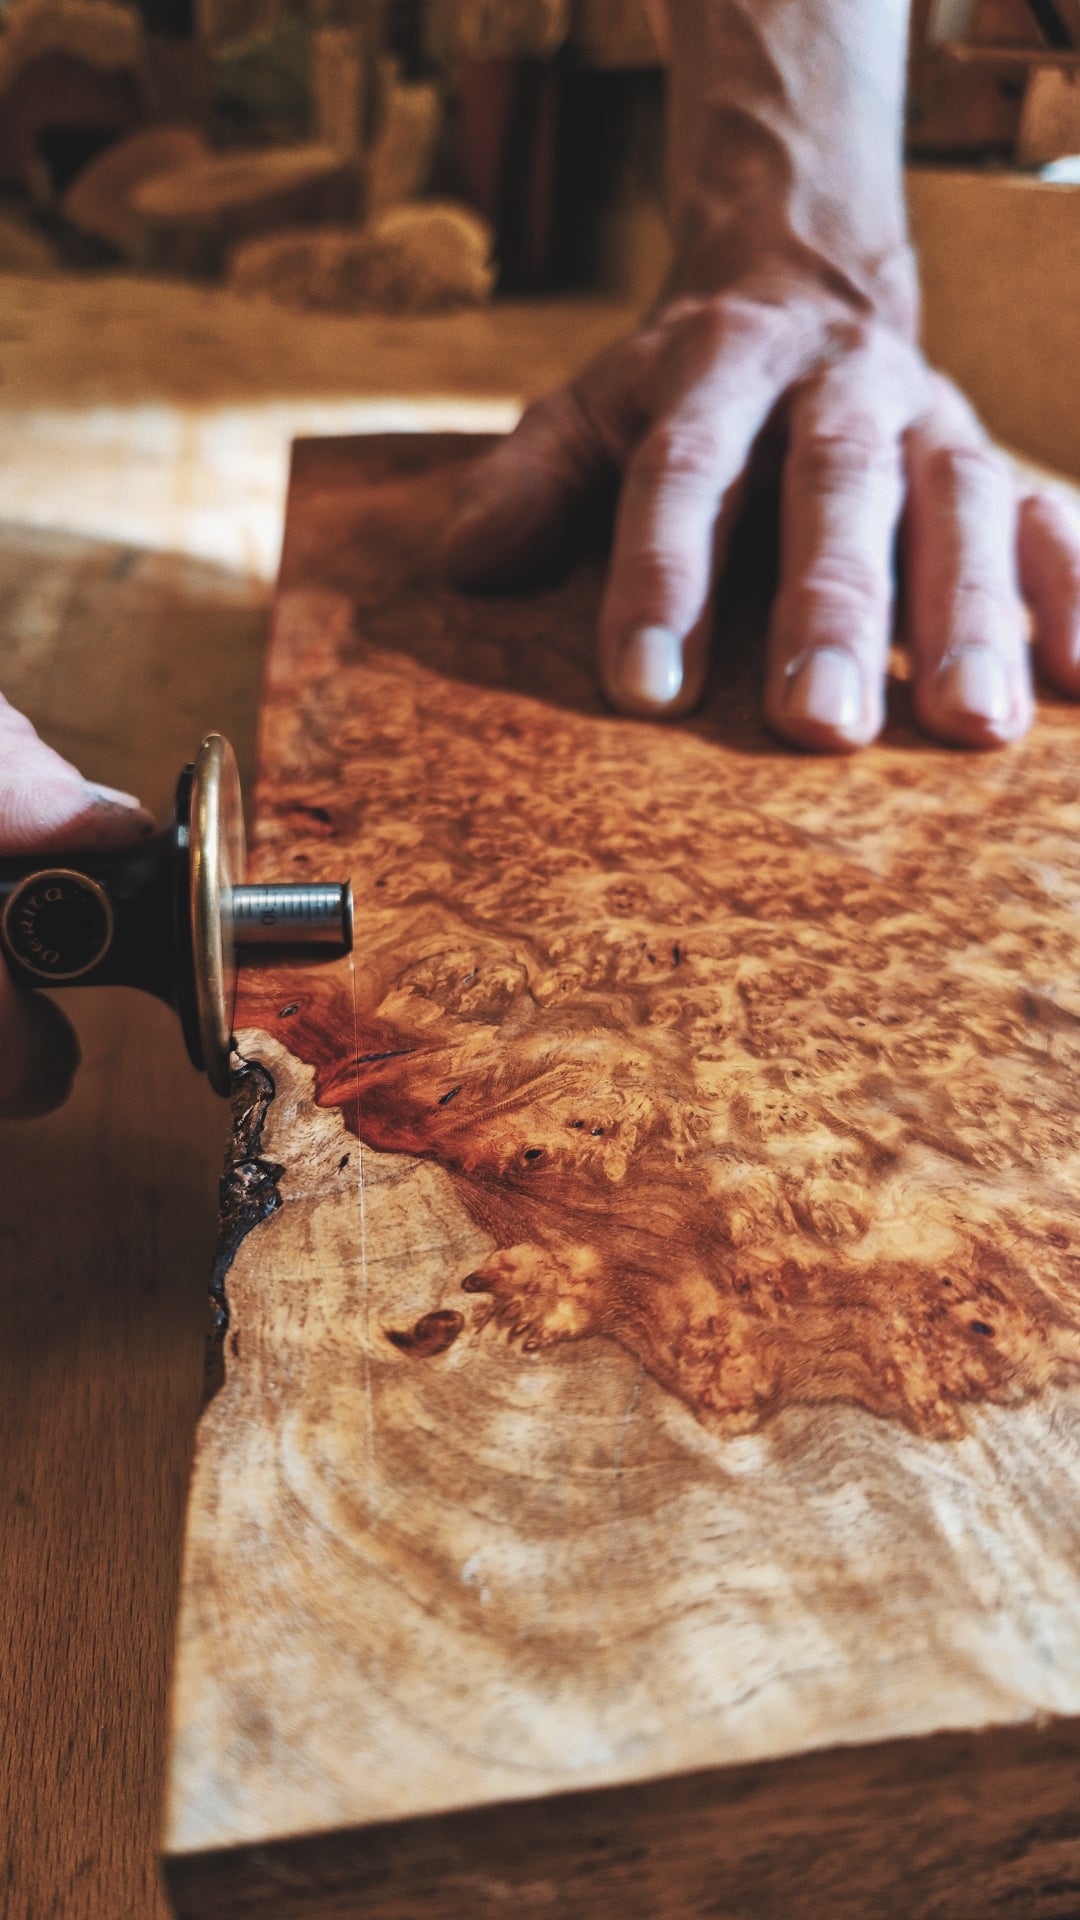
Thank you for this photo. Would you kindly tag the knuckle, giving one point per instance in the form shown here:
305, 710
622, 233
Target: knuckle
700, 336
652, 577
843, 455
851, 336
737, 318
654, 585
702, 327
979, 611
689, 452
774, 337
838, 611
960, 473
846, 579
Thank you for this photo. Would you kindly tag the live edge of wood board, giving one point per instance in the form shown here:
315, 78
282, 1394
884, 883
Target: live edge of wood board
642, 1470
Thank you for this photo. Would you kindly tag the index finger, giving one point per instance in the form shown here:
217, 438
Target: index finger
46, 804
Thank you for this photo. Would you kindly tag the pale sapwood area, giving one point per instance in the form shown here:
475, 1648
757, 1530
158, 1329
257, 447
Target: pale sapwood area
647, 1420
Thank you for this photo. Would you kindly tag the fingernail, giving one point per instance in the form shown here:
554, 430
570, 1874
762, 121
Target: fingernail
649, 668
124, 810
972, 681
113, 795
824, 689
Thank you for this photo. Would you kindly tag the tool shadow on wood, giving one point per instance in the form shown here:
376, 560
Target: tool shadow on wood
657, 1350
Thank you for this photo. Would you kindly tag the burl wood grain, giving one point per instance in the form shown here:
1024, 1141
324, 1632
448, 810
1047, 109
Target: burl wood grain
764, 1067
663, 1351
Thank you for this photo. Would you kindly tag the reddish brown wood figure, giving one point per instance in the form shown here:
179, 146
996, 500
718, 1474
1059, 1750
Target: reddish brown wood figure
656, 1344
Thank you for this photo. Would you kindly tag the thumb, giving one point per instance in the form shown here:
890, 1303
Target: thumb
522, 499
46, 804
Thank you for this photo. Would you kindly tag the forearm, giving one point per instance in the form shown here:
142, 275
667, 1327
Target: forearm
785, 129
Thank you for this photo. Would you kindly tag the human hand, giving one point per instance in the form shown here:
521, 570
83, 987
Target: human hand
45, 804
793, 306
876, 442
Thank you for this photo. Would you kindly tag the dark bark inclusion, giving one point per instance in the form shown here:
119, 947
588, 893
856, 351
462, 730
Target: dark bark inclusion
248, 1195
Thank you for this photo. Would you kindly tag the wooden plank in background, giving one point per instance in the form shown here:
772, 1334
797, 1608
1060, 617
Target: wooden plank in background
662, 1364
998, 263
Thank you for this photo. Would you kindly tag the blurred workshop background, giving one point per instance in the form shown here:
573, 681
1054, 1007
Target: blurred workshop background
223, 222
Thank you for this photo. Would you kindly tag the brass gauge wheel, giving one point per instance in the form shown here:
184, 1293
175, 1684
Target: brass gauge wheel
167, 914
217, 864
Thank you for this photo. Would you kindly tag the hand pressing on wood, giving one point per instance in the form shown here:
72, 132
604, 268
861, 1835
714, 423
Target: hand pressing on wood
872, 437
46, 804
790, 319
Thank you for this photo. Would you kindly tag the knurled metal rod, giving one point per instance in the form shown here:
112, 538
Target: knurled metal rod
287, 916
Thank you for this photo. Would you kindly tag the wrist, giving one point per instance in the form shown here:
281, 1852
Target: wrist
838, 280
784, 149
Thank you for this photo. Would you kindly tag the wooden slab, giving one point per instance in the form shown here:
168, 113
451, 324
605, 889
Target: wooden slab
649, 1416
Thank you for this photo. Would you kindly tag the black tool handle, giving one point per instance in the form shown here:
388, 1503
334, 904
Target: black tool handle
91, 919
